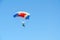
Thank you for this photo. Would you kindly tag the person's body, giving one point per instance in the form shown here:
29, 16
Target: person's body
23, 24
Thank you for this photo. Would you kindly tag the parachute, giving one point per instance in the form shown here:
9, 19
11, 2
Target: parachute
24, 15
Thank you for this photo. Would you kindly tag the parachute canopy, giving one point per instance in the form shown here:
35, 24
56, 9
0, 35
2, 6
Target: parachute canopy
22, 14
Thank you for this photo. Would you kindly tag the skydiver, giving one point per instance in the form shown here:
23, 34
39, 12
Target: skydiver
23, 24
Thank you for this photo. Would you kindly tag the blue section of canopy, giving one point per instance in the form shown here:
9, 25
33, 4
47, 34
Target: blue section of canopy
15, 15
27, 17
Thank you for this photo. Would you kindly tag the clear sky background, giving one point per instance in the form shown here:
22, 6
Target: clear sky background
44, 22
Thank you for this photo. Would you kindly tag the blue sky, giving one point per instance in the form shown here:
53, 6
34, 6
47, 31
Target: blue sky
44, 22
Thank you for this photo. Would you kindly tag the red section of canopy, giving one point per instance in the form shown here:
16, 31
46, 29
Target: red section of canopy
22, 14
